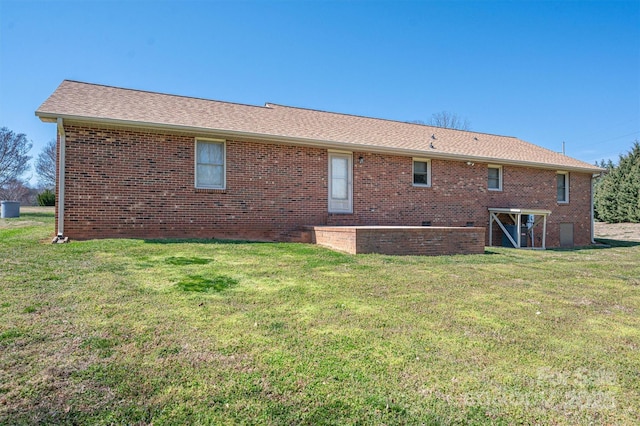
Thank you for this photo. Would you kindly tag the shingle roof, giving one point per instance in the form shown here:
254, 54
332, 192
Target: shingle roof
91, 102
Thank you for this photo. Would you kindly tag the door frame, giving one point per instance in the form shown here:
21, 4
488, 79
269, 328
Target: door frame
349, 201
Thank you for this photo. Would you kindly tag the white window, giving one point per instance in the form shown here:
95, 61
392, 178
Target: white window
495, 178
210, 164
562, 180
421, 172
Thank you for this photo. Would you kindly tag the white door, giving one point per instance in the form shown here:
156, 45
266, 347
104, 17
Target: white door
340, 183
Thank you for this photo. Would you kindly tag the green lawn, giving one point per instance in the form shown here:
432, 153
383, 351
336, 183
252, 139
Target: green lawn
211, 332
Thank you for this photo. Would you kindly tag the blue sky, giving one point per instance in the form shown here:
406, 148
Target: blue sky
543, 71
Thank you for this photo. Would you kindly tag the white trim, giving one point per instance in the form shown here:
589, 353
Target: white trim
230, 134
224, 163
413, 171
593, 215
520, 211
566, 187
499, 167
61, 178
516, 216
330, 204
339, 151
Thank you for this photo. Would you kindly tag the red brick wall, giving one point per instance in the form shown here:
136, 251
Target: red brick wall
423, 240
122, 182
141, 184
384, 195
338, 238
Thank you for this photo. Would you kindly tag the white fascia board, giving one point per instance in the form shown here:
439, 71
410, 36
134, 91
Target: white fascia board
519, 211
348, 146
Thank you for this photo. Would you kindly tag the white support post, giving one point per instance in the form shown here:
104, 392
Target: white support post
491, 215
519, 230
516, 216
531, 234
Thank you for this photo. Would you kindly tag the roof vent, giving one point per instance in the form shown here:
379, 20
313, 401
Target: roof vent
433, 136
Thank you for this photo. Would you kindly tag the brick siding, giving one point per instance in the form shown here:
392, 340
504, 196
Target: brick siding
424, 240
135, 183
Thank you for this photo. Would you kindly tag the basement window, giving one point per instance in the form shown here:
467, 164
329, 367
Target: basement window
421, 172
210, 164
495, 178
562, 180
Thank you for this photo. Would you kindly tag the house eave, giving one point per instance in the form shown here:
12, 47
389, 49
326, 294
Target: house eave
349, 146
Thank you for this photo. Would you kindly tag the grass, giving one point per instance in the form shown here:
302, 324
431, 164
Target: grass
207, 332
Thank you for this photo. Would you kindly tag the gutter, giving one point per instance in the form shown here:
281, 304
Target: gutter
350, 146
60, 238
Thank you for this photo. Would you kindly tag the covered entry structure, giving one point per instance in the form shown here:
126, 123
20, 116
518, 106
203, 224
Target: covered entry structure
532, 218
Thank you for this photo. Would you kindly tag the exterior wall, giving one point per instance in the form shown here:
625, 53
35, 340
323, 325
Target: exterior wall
126, 183
135, 183
384, 195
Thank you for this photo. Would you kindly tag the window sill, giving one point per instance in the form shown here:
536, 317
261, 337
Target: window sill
417, 185
210, 191
495, 189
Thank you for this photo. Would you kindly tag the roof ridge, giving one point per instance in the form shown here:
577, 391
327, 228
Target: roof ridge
165, 94
388, 120
268, 105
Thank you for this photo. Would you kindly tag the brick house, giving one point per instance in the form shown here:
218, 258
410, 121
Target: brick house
149, 165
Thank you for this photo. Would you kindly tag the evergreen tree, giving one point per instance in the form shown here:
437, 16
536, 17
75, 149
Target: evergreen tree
617, 194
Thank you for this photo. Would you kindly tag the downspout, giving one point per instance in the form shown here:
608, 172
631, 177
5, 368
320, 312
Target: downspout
60, 238
593, 219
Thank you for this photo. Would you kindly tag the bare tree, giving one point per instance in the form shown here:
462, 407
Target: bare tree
14, 160
46, 165
449, 120
15, 190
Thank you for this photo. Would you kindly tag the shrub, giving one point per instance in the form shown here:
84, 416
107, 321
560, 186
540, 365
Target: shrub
47, 198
